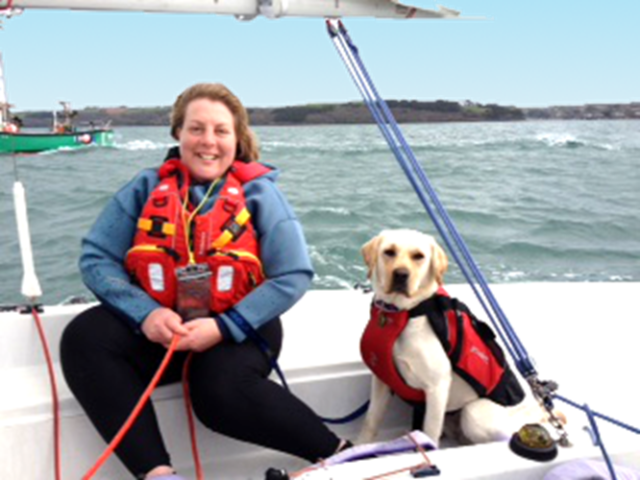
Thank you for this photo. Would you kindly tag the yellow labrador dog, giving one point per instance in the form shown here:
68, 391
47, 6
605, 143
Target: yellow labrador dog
406, 268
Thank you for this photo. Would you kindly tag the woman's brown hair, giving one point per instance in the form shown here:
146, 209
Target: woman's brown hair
247, 149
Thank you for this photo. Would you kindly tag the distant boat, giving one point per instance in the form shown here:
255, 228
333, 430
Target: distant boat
63, 134
31, 142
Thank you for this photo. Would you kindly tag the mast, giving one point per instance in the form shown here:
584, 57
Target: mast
4, 106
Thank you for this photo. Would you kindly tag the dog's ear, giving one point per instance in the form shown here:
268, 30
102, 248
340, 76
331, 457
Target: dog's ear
369, 253
439, 262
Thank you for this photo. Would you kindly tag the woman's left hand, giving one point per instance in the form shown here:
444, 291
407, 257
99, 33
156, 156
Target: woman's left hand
203, 334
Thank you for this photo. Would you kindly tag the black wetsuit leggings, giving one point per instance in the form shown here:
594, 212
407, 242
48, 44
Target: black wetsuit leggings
108, 366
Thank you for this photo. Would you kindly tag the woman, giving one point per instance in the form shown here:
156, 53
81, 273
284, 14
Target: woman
206, 238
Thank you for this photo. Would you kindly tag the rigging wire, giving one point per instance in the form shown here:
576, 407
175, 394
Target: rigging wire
389, 129
542, 390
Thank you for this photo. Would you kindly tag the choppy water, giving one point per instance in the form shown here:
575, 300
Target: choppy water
534, 201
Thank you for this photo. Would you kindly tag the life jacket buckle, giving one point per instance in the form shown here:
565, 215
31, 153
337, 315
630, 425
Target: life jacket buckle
234, 228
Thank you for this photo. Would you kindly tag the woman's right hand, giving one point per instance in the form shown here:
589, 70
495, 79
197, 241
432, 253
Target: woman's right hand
162, 324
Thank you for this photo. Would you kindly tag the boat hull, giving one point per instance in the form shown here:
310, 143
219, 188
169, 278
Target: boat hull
575, 327
28, 142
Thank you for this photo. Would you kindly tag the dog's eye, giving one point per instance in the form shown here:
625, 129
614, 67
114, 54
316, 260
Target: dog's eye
389, 252
417, 256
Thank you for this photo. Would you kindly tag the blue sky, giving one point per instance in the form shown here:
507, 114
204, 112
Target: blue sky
525, 54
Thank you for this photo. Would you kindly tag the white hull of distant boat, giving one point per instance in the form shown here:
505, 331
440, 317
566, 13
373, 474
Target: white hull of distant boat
581, 334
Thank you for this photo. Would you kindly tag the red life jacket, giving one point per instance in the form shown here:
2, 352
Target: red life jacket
223, 237
470, 345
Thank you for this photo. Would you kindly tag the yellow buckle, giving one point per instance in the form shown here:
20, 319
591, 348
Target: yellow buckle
147, 225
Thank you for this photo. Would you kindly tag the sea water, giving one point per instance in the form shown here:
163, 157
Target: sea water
543, 201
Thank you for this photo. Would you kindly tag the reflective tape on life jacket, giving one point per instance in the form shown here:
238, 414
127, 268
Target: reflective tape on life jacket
169, 236
470, 345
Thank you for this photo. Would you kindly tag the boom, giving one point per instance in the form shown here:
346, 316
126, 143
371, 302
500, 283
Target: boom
243, 9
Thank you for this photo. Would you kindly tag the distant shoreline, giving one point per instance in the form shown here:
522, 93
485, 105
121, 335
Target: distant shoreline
404, 111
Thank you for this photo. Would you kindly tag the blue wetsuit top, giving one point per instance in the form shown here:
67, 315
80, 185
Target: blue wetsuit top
283, 251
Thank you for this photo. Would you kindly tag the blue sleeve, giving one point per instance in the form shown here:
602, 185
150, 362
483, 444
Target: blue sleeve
284, 255
105, 246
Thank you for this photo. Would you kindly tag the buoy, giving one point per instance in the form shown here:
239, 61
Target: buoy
85, 138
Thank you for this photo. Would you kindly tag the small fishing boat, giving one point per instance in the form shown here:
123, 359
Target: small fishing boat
568, 324
63, 134
34, 142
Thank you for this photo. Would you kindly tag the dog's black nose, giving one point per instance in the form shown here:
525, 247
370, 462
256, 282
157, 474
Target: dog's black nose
399, 280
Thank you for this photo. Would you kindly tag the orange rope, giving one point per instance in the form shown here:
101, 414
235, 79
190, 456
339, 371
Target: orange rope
426, 463
192, 425
54, 391
420, 449
136, 411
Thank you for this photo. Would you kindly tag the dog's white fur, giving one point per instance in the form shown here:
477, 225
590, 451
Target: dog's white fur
406, 267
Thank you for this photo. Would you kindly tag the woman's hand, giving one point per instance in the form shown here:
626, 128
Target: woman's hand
162, 324
203, 333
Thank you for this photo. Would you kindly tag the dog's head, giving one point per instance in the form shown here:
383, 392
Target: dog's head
405, 266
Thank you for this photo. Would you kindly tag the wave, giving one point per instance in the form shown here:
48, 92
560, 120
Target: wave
554, 140
329, 282
373, 143
559, 140
567, 140
135, 145
343, 148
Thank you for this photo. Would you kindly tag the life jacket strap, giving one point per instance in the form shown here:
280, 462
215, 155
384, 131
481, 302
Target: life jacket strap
157, 226
232, 229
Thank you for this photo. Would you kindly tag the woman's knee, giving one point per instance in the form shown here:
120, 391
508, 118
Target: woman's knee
81, 329
90, 334
223, 396
217, 391
77, 334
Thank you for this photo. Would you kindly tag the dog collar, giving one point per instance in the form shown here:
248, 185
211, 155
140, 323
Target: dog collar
385, 307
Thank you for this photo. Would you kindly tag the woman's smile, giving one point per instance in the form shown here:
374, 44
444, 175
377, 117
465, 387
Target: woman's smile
208, 139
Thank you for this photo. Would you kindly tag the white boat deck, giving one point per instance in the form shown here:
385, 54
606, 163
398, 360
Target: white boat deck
583, 335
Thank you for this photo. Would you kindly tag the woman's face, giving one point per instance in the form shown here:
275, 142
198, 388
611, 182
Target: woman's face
207, 139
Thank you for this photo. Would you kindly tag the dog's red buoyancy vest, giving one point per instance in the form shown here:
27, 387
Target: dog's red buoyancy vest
223, 237
469, 343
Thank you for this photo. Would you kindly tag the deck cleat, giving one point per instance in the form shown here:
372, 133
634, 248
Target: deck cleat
425, 470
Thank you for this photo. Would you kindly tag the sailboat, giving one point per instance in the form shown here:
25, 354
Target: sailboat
333, 381
62, 135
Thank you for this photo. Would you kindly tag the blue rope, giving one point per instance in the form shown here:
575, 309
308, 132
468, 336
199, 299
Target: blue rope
443, 223
596, 433
600, 415
433, 197
358, 412
260, 341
